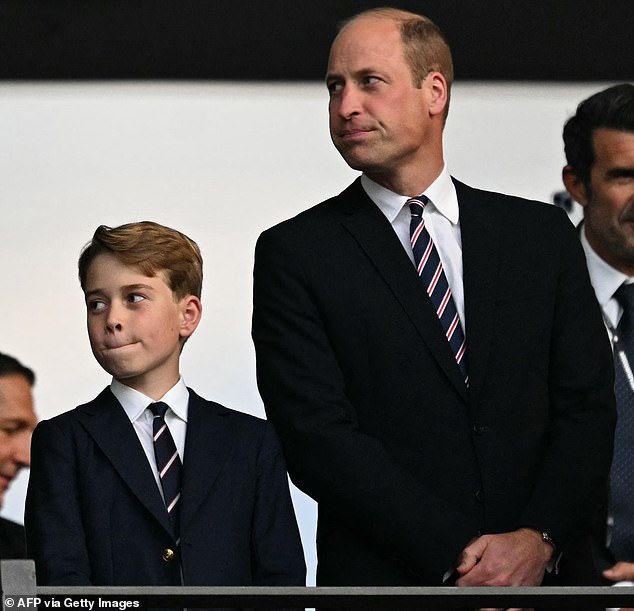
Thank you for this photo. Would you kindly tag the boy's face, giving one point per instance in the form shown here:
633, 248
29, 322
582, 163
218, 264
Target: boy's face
135, 325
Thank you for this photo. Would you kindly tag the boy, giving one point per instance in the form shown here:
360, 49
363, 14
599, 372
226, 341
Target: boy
108, 501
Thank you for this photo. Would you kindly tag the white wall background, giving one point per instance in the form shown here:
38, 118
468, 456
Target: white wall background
220, 162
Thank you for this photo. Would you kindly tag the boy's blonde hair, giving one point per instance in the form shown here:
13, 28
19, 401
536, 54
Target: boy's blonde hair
151, 248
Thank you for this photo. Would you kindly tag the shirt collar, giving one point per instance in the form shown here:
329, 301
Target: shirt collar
441, 193
605, 279
135, 403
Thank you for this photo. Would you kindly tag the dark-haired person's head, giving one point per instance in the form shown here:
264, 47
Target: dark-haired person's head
599, 174
17, 419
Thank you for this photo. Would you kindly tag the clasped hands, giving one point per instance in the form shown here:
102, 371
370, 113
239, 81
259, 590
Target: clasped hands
517, 558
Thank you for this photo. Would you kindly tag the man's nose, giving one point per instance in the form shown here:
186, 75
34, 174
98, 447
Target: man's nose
349, 102
22, 448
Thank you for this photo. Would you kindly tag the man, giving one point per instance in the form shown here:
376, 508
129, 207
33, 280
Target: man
416, 451
17, 421
599, 144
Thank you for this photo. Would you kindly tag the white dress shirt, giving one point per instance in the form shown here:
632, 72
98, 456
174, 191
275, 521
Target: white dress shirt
135, 405
441, 220
605, 280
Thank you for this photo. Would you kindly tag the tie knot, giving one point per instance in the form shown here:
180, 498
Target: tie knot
158, 409
625, 296
417, 204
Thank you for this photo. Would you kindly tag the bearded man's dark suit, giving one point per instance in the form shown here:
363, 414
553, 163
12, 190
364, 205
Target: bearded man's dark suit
12, 543
406, 463
94, 514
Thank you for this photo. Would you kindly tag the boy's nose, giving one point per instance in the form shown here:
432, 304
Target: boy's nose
114, 319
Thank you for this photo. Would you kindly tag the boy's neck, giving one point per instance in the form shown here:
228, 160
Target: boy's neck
155, 389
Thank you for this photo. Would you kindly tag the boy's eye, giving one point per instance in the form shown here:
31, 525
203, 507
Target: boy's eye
96, 305
134, 298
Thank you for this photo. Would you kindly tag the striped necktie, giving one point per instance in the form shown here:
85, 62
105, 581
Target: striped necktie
168, 463
430, 270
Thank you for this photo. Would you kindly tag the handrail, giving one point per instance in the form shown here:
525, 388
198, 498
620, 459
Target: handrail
20, 592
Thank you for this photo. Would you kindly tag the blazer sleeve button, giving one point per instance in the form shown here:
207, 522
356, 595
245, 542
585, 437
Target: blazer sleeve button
168, 555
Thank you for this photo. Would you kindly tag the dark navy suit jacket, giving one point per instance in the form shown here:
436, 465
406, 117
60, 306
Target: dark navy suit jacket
12, 544
94, 514
406, 463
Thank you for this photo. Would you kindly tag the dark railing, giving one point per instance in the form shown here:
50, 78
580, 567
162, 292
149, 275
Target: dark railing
19, 591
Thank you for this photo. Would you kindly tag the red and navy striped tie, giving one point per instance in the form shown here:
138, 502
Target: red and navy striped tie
430, 270
168, 463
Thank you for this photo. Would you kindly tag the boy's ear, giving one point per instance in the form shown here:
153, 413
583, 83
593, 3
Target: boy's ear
191, 313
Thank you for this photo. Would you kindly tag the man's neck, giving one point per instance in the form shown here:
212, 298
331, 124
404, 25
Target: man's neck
409, 181
604, 253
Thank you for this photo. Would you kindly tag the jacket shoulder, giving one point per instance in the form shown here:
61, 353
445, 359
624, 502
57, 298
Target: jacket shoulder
237, 418
324, 212
504, 203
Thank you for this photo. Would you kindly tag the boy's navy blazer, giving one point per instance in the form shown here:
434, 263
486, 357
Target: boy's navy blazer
94, 514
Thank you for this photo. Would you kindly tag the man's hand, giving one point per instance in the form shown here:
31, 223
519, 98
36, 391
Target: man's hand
518, 558
621, 571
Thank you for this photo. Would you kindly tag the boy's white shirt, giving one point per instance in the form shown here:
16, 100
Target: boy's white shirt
135, 405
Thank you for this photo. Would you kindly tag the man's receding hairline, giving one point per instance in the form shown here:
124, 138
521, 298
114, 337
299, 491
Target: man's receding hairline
396, 15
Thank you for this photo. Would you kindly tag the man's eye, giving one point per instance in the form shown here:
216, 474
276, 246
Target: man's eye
371, 80
334, 87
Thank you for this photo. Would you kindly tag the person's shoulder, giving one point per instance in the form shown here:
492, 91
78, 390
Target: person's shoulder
250, 435
12, 543
11, 527
322, 213
104, 400
504, 203
235, 417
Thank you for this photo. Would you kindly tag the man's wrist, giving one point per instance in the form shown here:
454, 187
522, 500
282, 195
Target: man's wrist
547, 541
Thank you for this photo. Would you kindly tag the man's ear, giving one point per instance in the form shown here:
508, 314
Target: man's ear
191, 313
574, 185
439, 93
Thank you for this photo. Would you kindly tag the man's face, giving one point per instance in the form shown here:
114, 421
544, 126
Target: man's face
17, 421
609, 200
135, 325
379, 121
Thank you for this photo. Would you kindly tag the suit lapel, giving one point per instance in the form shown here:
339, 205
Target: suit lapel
373, 232
106, 422
480, 256
207, 446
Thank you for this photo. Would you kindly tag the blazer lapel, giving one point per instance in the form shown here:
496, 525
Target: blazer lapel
376, 237
106, 422
480, 255
207, 446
